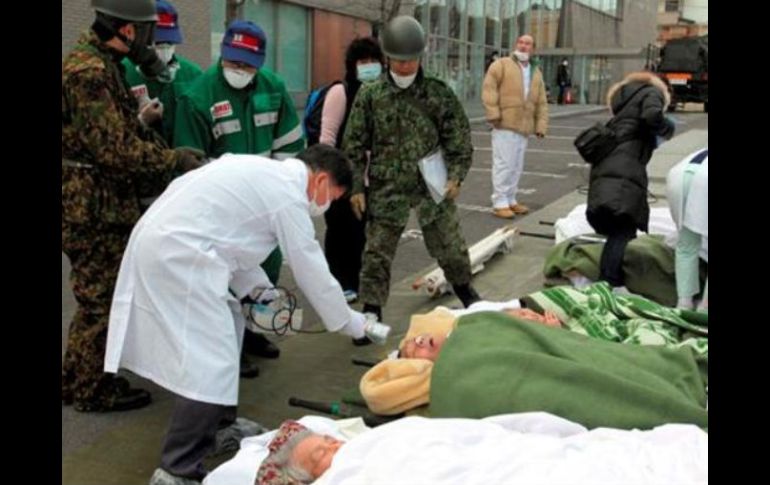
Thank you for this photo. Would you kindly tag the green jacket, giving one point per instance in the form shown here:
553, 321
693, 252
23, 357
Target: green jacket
259, 119
401, 126
168, 93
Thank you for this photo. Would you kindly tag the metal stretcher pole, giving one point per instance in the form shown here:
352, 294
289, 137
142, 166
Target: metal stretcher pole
340, 409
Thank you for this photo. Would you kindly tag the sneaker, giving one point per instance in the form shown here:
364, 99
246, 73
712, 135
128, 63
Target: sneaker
162, 477
229, 439
350, 296
621, 291
519, 209
503, 213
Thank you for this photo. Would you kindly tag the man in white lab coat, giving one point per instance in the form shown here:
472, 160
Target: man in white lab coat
174, 318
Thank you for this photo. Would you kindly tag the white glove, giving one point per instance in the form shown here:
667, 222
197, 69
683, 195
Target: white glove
355, 327
151, 112
265, 295
376, 331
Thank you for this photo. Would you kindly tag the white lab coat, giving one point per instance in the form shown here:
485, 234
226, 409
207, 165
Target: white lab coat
173, 320
694, 215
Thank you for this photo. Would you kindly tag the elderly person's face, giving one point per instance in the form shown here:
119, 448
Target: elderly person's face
424, 346
548, 318
526, 44
314, 454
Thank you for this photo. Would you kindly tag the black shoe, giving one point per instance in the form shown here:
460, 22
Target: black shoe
249, 369
360, 342
466, 294
257, 344
130, 399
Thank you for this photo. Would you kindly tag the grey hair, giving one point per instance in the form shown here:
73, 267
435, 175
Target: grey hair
283, 458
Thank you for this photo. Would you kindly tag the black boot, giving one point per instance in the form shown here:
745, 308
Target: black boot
466, 294
377, 310
257, 344
249, 369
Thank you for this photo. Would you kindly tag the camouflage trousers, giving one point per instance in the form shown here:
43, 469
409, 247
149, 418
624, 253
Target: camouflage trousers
95, 253
441, 232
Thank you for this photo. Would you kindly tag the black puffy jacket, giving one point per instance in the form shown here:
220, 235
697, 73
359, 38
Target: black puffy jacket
617, 191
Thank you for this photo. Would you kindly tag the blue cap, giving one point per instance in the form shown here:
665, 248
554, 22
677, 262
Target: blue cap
167, 28
244, 42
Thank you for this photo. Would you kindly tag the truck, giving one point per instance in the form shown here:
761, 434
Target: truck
684, 66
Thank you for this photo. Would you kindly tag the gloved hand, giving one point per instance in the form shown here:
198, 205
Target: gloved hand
358, 204
355, 327
452, 189
151, 112
189, 158
375, 331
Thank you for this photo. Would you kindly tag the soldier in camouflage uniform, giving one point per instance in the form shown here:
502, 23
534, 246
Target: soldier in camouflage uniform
109, 161
402, 119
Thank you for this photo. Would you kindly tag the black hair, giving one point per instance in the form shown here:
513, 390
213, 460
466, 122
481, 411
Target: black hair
326, 158
363, 48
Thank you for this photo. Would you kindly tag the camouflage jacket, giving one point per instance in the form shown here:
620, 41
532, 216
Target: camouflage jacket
109, 160
401, 126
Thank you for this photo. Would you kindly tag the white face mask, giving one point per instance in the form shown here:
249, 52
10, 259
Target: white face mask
565, 63
236, 78
165, 52
403, 82
318, 210
521, 56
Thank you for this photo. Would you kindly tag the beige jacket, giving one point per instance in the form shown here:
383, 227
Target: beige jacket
503, 98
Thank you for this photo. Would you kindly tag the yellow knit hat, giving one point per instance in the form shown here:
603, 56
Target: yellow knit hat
396, 385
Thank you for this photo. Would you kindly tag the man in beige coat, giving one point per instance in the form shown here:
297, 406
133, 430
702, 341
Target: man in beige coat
516, 106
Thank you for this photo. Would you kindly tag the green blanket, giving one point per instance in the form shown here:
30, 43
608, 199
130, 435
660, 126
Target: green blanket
597, 312
494, 364
648, 265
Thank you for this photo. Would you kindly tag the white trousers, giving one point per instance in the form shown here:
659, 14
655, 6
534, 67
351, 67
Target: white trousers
507, 165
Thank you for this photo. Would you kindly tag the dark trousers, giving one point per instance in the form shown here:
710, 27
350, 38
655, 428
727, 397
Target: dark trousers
562, 92
344, 243
611, 263
191, 434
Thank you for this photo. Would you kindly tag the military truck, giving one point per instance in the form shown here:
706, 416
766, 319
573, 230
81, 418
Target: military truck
684, 65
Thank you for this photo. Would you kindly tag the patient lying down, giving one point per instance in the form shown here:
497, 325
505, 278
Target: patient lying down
533, 448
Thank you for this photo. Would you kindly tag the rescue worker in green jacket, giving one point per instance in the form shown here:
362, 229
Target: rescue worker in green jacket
168, 35
239, 106
402, 119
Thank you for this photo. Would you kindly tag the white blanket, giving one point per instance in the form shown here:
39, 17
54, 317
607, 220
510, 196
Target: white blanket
526, 448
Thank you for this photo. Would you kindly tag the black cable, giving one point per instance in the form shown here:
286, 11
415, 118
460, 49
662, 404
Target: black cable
290, 306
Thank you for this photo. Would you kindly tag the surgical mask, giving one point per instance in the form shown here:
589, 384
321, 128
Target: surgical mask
165, 52
318, 210
236, 78
403, 82
521, 56
368, 72
564, 63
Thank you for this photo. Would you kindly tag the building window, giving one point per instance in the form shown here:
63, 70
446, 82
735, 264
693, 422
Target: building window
609, 7
672, 5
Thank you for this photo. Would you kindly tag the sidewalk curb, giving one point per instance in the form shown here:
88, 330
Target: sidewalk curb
594, 109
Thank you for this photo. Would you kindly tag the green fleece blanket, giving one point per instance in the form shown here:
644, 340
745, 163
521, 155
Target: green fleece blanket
494, 364
648, 265
597, 312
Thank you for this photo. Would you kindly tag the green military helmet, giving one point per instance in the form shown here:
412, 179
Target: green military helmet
131, 10
403, 39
